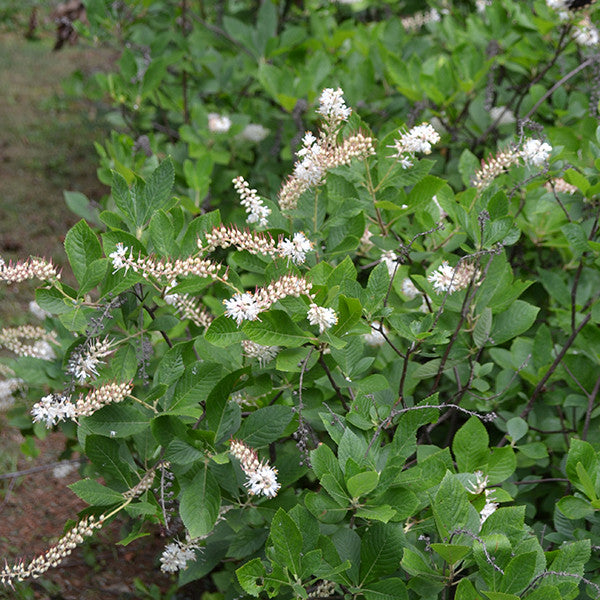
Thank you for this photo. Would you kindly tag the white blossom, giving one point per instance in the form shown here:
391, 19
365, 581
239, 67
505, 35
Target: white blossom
375, 338
418, 139
264, 354
481, 5
447, 279
42, 349
332, 106
254, 132
586, 33
321, 316
535, 152
7, 388
251, 201
176, 555
263, 480
53, 408
242, 307
501, 115
218, 123
63, 468
37, 311
409, 289
119, 257
296, 248
389, 258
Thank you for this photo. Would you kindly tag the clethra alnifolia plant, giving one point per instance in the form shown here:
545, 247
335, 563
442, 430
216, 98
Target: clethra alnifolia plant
333, 345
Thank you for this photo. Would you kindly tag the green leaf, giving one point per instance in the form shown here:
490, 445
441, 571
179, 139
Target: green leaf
265, 425
171, 366
362, 483
514, 321
122, 197
200, 502
93, 275
194, 386
582, 453
162, 234
425, 190
158, 189
324, 508
468, 165
466, 591
575, 508
481, 331
350, 311
577, 238
224, 417
377, 286
451, 553
275, 328
380, 551
518, 573
117, 420
517, 428
392, 588
287, 541
251, 577
223, 332
82, 248
107, 455
381, 512
470, 446
451, 509
501, 465
95, 493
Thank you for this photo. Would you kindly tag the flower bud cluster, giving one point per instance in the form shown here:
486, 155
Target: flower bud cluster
419, 19
294, 249
447, 279
111, 393
84, 361
11, 339
162, 269
418, 139
55, 555
32, 268
323, 590
247, 306
264, 354
189, 308
249, 199
561, 186
495, 165
261, 477
145, 482
318, 155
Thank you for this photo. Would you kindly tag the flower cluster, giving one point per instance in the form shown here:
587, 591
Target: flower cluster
376, 337
294, 249
11, 339
480, 487
586, 33
254, 132
32, 268
322, 153
111, 393
561, 186
264, 354
261, 477
189, 308
390, 259
495, 166
55, 555
447, 279
56, 407
218, 123
250, 200
7, 388
535, 152
418, 139
176, 555
247, 306
163, 269
84, 361
419, 19
325, 318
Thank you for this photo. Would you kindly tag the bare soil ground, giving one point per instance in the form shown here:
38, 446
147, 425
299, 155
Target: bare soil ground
46, 146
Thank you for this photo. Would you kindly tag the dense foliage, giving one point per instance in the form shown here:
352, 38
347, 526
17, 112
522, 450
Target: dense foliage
376, 376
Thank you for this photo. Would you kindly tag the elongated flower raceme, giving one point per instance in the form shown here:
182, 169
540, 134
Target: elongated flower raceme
321, 153
53, 556
261, 477
249, 199
29, 340
86, 359
447, 279
32, 268
294, 249
247, 306
164, 269
54, 408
